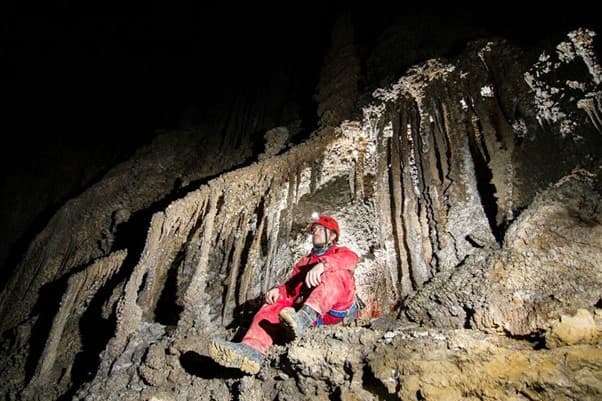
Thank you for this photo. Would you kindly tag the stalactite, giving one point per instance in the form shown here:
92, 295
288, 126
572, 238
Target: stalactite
273, 228
228, 244
195, 287
593, 107
292, 196
81, 287
360, 171
168, 231
351, 173
298, 180
253, 258
180, 218
430, 205
397, 192
233, 276
499, 142
451, 178
411, 193
316, 168
128, 312
422, 150
440, 182
385, 214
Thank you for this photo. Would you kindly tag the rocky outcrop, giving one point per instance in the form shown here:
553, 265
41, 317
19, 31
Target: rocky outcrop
387, 360
439, 188
549, 264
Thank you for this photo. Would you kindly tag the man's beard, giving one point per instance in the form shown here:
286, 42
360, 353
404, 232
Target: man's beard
319, 244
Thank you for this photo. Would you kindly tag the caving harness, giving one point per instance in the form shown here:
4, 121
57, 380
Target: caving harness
349, 315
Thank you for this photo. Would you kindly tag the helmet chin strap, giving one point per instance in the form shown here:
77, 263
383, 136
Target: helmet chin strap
318, 250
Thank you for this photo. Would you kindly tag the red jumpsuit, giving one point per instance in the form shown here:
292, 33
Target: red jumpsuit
336, 291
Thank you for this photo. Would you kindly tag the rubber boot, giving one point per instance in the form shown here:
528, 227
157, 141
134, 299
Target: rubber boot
236, 355
296, 323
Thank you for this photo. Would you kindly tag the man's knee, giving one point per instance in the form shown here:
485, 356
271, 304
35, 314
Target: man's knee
341, 279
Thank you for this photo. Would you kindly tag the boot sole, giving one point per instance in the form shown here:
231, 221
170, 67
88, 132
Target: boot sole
288, 322
230, 359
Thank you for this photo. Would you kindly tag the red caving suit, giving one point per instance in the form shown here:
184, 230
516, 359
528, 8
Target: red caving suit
336, 291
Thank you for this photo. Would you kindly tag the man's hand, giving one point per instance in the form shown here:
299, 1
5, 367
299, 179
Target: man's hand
272, 295
312, 279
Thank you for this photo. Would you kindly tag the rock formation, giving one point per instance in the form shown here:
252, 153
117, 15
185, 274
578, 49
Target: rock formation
470, 188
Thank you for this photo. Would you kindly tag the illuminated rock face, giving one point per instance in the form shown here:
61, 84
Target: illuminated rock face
469, 205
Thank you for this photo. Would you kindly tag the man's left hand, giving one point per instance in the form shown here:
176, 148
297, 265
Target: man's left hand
312, 279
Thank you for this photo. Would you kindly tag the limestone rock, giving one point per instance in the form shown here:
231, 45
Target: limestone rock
571, 330
548, 266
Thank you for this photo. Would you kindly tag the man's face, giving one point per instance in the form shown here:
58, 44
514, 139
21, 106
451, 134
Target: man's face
319, 234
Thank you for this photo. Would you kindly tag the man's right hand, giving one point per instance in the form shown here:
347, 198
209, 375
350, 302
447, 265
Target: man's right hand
272, 295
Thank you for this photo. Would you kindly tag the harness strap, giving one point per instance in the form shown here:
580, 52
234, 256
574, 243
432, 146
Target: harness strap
340, 314
344, 313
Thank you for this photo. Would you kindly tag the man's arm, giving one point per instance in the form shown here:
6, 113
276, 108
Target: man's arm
343, 258
290, 288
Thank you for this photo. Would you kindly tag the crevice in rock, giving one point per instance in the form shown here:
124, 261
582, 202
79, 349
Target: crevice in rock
167, 311
95, 332
49, 302
469, 314
536, 338
335, 395
204, 367
473, 242
248, 242
374, 386
485, 187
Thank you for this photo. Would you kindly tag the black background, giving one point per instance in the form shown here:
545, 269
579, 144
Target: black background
107, 75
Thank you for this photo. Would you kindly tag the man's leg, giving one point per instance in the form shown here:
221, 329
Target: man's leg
336, 291
248, 355
265, 326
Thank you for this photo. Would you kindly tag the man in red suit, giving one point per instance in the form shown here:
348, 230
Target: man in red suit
321, 290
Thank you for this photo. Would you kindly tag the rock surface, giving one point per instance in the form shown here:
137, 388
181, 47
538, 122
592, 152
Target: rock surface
548, 265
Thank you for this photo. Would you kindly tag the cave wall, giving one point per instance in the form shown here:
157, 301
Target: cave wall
439, 165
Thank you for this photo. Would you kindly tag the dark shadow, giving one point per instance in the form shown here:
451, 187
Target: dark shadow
204, 367
75, 189
472, 242
46, 308
95, 333
243, 316
275, 331
537, 338
376, 387
487, 191
468, 317
167, 311
335, 395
